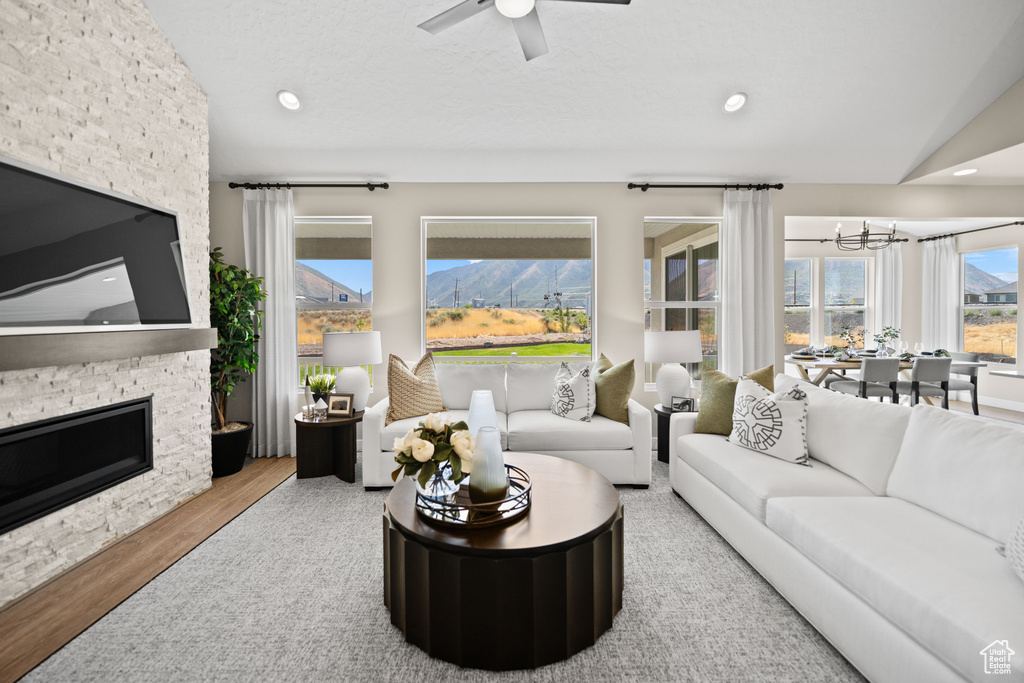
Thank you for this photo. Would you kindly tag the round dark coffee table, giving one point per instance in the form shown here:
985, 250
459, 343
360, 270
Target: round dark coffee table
519, 596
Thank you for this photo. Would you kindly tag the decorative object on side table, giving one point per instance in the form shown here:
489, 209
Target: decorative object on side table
681, 404
321, 385
672, 348
339, 405
234, 293
350, 351
319, 410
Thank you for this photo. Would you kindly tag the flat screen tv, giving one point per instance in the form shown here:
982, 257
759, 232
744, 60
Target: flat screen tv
75, 258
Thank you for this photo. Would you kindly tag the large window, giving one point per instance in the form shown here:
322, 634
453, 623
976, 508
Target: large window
333, 283
681, 283
990, 304
845, 300
799, 288
498, 287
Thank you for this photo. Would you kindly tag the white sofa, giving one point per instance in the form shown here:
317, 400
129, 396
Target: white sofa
522, 398
889, 544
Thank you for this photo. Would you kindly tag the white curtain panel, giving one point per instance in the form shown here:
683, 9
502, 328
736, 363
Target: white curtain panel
268, 219
747, 327
889, 287
940, 295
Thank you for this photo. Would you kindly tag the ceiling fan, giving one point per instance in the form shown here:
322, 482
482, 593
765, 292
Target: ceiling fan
523, 14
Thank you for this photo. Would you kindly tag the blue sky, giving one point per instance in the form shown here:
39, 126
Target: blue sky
999, 262
435, 265
352, 274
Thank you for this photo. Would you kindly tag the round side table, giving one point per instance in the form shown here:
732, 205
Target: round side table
326, 447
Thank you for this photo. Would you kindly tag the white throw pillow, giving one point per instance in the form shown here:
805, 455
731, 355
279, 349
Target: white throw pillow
773, 424
1014, 550
575, 396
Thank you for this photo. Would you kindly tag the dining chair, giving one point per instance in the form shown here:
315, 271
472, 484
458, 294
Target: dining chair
928, 377
970, 371
878, 377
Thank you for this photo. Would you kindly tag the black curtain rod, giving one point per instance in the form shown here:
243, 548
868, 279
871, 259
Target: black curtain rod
749, 186
287, 186
967, 232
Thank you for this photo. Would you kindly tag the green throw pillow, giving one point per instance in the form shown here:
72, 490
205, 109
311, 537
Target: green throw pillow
614, 386
717, 394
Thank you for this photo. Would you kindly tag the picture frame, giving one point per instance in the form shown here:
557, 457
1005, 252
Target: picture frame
339, 405
682, 404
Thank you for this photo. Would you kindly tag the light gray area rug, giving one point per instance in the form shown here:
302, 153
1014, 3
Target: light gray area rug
292, 590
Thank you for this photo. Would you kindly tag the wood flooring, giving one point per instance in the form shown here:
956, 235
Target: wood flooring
44, 620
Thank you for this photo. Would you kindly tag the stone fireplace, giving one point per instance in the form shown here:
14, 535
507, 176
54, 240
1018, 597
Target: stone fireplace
94, 91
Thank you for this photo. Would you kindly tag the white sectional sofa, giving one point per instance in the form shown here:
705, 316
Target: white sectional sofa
889, 544
522, 398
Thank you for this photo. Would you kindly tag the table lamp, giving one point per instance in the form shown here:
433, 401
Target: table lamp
350, 351
672, 348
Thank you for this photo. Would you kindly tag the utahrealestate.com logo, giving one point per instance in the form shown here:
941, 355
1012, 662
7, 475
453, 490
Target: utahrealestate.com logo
997, 657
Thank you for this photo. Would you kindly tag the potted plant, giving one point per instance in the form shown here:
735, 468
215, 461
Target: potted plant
320, 385
234, 293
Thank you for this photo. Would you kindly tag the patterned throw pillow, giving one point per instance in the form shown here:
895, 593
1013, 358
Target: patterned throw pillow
412, 393
1014, 550
773, 424
575, 396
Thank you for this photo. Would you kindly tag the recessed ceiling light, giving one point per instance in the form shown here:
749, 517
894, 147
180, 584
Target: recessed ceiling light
736, 101
965, 171
109, 279
289, 100
513, 9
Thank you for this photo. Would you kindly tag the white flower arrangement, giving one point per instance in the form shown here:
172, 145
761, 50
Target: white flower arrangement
425, 449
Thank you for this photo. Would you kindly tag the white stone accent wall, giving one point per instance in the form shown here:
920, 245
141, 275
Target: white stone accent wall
91, 89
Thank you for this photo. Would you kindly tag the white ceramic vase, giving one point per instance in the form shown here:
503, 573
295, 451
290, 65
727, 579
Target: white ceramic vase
481, 411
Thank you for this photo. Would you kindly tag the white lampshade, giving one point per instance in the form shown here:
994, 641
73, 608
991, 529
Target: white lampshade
681, 346
513, 9
350, 351
347, 349
672, 348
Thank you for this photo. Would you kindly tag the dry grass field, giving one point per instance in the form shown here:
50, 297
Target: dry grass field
467, 323
312, 324
999, 339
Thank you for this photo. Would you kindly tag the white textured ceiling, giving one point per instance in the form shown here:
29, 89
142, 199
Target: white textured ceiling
840, 91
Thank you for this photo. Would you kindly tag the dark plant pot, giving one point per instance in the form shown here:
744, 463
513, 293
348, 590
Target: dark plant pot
229, 451
317, 397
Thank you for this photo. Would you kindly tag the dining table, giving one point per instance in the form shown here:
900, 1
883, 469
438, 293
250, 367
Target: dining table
823, 367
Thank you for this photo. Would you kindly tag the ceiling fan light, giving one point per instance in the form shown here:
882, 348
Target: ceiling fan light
736, 101
513, 9
289, 100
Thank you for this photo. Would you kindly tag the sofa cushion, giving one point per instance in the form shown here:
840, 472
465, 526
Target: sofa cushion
458, 381
540, 430
614, 387
943, 584
1014, 550
412, 392
968, 470
717, 396
398, 428
529, 385
772, 424
751, 479
573, 397
857, 437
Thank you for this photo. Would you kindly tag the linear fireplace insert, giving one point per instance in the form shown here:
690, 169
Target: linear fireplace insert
50, 464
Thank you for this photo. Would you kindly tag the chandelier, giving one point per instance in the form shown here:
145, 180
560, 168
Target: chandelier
865, 239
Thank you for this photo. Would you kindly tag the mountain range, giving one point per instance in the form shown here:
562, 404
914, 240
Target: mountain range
312, 285
977, 281
526, 281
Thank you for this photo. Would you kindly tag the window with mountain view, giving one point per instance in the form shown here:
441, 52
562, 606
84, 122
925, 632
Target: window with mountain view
845, 299
498, 287
798, 285
990, 304
333, 283
681, 284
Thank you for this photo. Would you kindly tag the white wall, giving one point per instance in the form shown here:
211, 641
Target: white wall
93, 90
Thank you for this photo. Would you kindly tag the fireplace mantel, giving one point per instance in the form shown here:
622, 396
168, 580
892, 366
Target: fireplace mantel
22, 352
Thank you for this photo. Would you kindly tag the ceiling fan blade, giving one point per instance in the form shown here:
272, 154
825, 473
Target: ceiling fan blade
531, 35
461, 12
